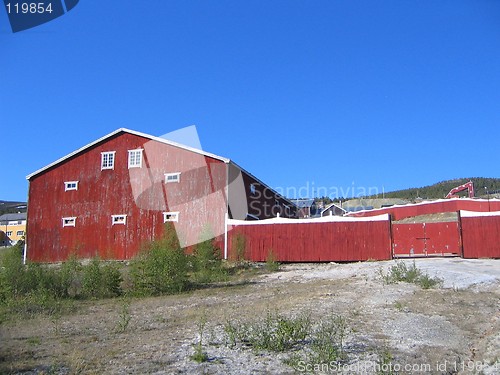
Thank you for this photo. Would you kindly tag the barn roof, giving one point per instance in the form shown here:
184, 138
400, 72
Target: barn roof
158, 139
124, 130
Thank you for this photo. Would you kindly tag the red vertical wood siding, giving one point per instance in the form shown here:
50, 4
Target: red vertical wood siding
481, 236
427, 208
315, 242
139, 193
407, 240
426, 239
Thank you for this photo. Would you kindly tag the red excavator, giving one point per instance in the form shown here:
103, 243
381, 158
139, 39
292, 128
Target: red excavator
468, 186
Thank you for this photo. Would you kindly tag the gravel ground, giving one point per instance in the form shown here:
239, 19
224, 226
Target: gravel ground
454, 329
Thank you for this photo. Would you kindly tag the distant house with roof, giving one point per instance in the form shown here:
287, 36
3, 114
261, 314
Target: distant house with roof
333, 210
306, 207
12, 228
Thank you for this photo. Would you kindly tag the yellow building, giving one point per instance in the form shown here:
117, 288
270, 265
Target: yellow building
12, 228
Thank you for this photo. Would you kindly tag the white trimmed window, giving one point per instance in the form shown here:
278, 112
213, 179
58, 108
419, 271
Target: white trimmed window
20, 233
70, 185
108, 160
170, 216
118, 219
135, 158
9, 233
172, 177
69, 221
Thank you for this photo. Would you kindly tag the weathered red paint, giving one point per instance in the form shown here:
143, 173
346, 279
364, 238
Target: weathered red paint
481, 236
314, 242
137, 193
426, 239
435, 207
201, 197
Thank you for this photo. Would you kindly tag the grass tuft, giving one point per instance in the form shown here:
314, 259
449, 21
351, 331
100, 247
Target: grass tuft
400, 272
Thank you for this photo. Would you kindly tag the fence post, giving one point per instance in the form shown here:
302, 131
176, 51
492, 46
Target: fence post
225, 235
460, 235
391, 236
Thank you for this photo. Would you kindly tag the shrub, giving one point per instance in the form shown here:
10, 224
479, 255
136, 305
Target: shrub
207, 261
271, 263
71, 276
29, 289
427, 282
162, 268
412, 274
101, 280
328, 340
12, 275
44, 280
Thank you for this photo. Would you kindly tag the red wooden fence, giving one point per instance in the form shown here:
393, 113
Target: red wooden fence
313, 240
480, 234
433, 207
475, 235
426, 239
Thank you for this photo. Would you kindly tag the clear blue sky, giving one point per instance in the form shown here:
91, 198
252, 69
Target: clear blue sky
385, 94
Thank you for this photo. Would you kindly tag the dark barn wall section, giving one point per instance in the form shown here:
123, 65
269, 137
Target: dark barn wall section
261, 202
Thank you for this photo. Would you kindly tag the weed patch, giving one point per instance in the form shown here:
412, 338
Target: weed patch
303, 341
124, 317
271, 264
400, 272
275, 333
199, 354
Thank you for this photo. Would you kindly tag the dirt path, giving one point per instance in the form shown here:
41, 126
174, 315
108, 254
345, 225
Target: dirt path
453, 329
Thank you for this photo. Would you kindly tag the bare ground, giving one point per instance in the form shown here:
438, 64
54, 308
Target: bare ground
451, 330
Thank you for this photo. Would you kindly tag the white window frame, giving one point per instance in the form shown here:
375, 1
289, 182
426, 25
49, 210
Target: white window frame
176, 175
70, 185
174, 216
69, 221
20, 233
135, 155
8, 233
118, 219
105, 162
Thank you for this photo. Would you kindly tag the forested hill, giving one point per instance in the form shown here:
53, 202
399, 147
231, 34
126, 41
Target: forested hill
7, 207
442, 188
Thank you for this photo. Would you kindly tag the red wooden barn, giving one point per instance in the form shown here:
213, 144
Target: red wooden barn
114, 194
